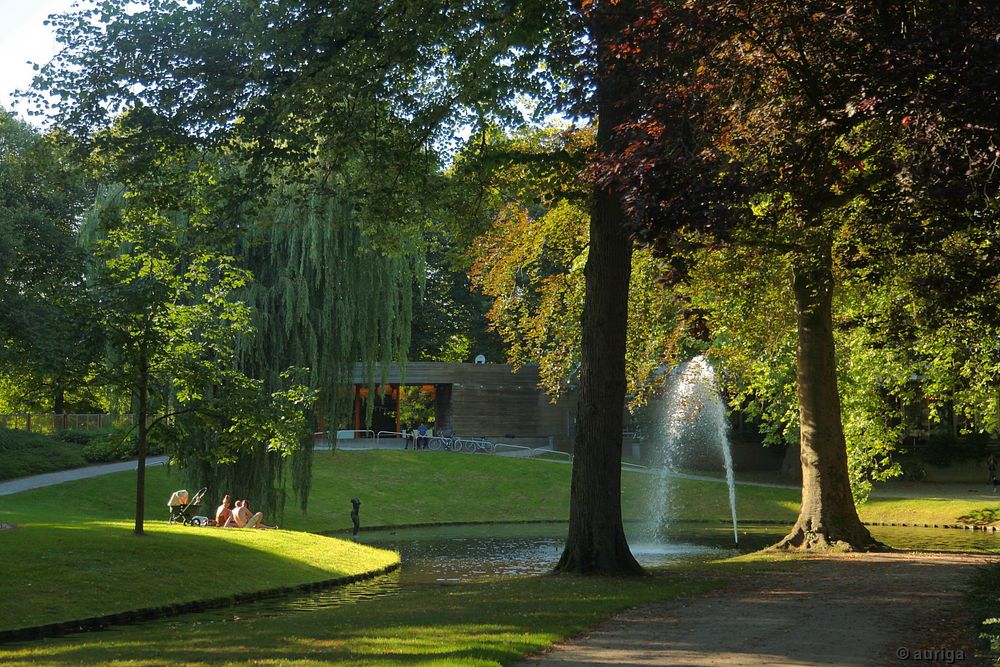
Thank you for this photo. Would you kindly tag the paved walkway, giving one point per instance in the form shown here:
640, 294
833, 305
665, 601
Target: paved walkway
50, 478
852, 610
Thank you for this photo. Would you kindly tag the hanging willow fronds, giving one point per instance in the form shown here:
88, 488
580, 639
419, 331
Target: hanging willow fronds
323, 298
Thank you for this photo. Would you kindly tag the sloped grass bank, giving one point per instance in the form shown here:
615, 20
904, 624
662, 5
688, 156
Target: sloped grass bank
56, 572
484, 623
406, 487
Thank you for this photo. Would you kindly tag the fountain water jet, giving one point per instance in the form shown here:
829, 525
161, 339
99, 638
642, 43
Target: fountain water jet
694, 410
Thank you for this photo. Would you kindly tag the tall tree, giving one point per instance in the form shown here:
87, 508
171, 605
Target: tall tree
46, 337
165, 297
813, 130
381, 82
530, 261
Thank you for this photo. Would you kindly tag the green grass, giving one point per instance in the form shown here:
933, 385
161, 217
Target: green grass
64, 571
76, 536
929, 510
984, 604
23, 453
405, 487
399, 488
485, 623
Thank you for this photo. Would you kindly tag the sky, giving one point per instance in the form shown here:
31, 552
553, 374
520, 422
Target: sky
24, 38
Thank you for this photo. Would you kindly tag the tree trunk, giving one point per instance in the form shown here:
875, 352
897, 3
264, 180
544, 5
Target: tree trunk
827, 518
596, 543
59, 407
142, 416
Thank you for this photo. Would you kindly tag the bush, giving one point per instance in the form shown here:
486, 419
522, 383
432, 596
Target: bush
23, 453
81, 436
119, 444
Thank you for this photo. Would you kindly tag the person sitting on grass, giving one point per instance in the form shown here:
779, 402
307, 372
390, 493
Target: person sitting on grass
243, 518
223, 514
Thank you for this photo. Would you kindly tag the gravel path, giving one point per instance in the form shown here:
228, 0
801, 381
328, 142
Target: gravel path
857, 609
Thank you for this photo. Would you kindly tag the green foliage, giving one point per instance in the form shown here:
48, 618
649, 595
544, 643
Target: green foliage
80, 436
416, 406
449, 318
47, 338
531, 263
23, 453
745, 294
984, 604
119, 444
325, 296
168, 297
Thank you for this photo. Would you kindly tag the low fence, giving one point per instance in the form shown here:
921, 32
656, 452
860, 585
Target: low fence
473, 446
51, 422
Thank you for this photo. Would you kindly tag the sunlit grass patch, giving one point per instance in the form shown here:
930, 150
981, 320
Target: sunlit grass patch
65, 572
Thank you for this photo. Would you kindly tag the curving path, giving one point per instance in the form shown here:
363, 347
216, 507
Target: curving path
48, 479
848, 610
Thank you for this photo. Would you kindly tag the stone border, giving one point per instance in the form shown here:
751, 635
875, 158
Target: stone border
154, 613
956, 526
727, 522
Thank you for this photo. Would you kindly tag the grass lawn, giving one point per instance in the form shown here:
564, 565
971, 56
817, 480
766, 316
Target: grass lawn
73, 555
64, 571
487, 623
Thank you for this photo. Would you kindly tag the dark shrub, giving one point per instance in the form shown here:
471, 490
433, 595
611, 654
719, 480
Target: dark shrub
23, 453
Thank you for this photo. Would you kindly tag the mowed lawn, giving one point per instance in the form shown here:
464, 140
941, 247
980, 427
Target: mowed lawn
73, 555
479, 623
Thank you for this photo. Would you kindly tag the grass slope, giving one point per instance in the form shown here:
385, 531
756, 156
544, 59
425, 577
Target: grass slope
65, 571
485, 623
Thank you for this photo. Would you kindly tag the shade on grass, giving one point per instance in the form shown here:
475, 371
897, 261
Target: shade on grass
483, 623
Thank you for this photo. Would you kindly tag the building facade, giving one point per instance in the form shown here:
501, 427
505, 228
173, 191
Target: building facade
491, 401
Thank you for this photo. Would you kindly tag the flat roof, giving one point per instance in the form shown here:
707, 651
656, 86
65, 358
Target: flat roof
442, 372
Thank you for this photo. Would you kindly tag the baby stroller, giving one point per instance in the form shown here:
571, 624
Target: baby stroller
182, 508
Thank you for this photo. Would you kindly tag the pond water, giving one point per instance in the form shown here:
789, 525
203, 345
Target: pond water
448, 555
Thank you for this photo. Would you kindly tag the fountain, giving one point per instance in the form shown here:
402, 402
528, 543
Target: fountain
694, 413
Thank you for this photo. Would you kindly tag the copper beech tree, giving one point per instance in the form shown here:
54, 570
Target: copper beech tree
816, 131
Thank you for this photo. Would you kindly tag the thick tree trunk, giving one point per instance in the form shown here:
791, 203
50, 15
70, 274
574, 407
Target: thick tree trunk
142, 416
596, 541
828, 518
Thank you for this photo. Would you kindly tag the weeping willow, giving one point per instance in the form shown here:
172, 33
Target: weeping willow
325, 296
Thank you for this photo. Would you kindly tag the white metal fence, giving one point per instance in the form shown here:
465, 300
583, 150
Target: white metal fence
472, 446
